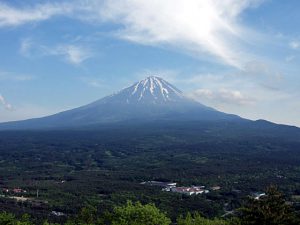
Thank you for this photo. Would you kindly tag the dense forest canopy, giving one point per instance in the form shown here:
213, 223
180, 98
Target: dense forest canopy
47, 172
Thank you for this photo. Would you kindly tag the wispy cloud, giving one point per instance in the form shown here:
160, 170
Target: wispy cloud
5, 104
26, 46
93, 82
257, 84
15, 77
255, 74
27, 111
261, 69
72, 53
206, 27
10, 16
290, 58
294, 45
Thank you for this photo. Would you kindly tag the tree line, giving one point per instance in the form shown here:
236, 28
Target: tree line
271, 209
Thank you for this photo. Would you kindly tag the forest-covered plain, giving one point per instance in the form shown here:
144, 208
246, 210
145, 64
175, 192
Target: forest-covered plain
102, 167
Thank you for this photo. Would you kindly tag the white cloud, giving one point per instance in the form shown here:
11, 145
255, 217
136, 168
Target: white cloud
222, 96
294, 45
5, 104
234, 96
72, 53
10, 16
206, 27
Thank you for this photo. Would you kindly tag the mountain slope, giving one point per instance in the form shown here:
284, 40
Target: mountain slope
150, 99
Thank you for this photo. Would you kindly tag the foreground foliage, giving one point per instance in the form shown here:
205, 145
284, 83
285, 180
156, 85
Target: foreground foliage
269, 210
136, 214
10, 219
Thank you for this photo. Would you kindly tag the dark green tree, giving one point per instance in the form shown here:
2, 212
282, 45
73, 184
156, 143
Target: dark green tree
271, 209
86, 216
196, 219
47, 223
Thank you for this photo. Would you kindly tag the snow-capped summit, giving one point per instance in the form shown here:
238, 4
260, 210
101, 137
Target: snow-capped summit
155, 89
151, 99
151, 90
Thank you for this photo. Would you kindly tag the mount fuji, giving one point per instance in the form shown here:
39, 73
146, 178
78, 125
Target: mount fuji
151, 99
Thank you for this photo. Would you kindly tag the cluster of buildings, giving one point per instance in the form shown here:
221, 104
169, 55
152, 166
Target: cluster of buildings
160, 184
258, 195
56, 213
193, 190
172, 187
14, 190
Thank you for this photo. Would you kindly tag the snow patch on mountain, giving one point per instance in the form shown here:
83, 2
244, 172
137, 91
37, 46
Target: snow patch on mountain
151, 90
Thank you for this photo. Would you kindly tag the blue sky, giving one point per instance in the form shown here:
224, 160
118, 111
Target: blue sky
240, 57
